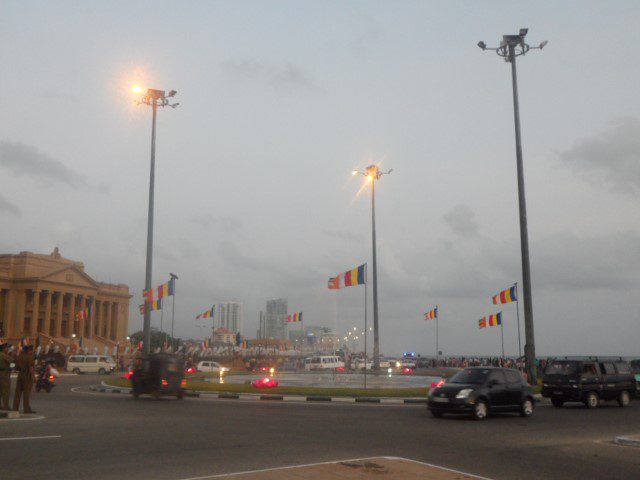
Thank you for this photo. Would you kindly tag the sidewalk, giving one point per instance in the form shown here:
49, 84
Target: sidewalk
385, 468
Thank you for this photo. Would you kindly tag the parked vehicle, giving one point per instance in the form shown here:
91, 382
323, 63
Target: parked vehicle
158, 374
101, 364
635, 369
480, 391
359, 364
324, 362
589, 382
209, 366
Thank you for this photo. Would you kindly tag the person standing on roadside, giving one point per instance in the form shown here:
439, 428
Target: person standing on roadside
5, 376
25, 366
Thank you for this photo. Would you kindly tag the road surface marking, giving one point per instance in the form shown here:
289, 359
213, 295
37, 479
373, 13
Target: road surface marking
290, 467
42, 437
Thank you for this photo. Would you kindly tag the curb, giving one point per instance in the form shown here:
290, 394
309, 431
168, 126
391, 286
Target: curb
104, 388
628, 441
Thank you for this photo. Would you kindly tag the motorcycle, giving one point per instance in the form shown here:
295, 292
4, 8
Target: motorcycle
46, 380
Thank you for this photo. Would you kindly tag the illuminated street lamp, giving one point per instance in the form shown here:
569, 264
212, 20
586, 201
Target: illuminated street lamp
513, 46
373, 173
154, 98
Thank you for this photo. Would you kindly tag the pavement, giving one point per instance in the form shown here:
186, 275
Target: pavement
84, 434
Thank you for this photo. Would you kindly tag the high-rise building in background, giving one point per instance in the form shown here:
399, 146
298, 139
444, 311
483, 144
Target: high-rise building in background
275, 317
228, 315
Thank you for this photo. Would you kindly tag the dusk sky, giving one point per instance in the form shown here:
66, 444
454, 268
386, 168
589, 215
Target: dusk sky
279, 102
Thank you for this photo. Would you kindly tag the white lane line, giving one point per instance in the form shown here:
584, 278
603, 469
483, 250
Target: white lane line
289, 467
42, 437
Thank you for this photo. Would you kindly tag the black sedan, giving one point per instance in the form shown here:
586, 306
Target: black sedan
481, 390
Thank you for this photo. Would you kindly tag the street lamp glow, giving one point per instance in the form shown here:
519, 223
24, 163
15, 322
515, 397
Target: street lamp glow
137, 89
355, 172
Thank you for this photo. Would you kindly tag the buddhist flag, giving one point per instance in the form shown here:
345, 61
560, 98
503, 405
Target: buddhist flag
83, 314
495, 319
431, 314
166, 289
156, 305
350, 278
295, 318
148, 295
207, 314
505, 296
482, 323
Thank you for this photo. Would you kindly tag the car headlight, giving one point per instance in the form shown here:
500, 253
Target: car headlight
464, 393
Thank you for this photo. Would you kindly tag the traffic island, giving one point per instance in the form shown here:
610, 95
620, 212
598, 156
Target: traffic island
386, 468
628, 440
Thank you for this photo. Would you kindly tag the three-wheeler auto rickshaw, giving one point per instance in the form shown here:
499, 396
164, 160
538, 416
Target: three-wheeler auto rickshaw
158, 374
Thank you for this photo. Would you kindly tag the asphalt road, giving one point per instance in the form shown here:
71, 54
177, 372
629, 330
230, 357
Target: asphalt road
109, 436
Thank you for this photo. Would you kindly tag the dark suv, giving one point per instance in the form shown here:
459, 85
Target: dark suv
588, 381
481, 390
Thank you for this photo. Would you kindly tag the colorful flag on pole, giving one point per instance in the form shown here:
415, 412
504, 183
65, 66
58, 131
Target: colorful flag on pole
83, 314
495, 319
505, 296
148, 295
431, 314
207, 314
350, 278
166, 289
482, 323
295, 318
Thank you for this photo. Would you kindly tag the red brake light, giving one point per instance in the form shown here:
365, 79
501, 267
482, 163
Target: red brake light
164, 383
183, 383
407, 370
52, 378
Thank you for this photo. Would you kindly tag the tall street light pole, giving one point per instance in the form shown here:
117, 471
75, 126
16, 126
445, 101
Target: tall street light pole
373, 173
154, 98
513, 46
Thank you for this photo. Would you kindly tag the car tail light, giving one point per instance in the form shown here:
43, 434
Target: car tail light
340, 369
407, 370
183, 383
164, 383
52, 378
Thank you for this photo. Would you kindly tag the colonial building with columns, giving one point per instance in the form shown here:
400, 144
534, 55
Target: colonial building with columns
40, 296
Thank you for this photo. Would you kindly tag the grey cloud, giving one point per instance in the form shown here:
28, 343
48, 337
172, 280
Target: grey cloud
28, 161
462, 221
222, 223
349, 236
8, 207
288, 75
612, 156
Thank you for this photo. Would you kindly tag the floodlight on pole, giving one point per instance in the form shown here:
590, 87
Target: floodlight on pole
373, 173
154, 98
513, 46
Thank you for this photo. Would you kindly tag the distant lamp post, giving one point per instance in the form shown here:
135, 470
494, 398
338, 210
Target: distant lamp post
513, 46
154, 98
373, 173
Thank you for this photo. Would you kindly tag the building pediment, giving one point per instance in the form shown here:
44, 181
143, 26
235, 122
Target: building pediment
72, 276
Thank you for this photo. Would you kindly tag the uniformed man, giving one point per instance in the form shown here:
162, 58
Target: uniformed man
5, 376
25, 365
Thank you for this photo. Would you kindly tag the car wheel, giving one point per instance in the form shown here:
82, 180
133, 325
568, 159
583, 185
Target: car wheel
526, 409
481, 410
48, 389
136, 394
76, 371
592, 400
557, 402
435, 414
180, 395
102, 371
624, 399
156, 394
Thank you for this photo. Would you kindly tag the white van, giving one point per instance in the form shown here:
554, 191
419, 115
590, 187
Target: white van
323, 362
101, 364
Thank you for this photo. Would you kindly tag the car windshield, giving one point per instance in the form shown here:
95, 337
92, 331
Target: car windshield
561, 368
471, 375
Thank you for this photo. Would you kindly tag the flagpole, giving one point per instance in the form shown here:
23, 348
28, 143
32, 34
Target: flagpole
366, 282
518, 316
173, 308
502, 336
161, 325
437, 319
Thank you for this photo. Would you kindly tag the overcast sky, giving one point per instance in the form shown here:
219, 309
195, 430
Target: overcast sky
279, 101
